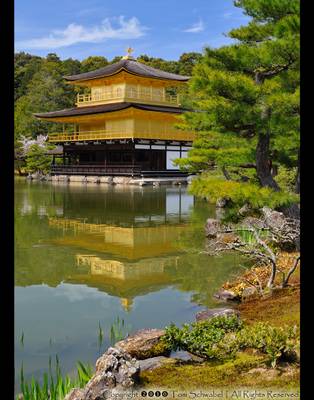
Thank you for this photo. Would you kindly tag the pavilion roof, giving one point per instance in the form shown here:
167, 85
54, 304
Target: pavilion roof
103, 108
129, 65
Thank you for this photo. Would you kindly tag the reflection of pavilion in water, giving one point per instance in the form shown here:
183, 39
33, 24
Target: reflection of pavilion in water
126, 279
138, 257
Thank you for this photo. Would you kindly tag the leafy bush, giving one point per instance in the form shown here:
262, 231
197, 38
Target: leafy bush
240, 193
205, 338
221, 338
286, 178
275, 342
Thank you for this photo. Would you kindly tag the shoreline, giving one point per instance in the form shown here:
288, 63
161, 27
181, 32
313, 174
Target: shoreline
112, 180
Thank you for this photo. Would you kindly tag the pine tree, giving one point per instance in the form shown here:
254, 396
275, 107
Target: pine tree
249, 96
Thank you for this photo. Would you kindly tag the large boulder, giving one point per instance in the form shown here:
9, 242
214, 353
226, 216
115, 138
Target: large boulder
115, 369
216, 312
145, 343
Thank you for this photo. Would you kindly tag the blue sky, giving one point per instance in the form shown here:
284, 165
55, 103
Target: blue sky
158, 28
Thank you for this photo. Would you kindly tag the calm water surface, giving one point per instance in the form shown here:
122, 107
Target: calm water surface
85, 255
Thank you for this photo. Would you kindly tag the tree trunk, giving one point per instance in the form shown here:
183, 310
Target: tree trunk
226, 173
263, 163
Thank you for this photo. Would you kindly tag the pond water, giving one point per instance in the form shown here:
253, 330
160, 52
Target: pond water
87, 255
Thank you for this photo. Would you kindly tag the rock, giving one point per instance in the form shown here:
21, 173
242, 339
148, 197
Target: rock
212, 227
121, 180
155, 362
249, 292
76, 178
273, 219
256, 223
75, 394
226, 295
245, 210
185, 356
144, 343
288, 228
215, 312
115, 369
106, 179
92, 179
222, 202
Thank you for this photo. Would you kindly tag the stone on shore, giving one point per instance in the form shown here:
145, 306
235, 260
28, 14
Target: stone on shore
226, 295
145, 343
156, 362
212, 227
115, 369
216, 312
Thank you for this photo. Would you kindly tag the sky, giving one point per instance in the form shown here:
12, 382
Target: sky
158, 28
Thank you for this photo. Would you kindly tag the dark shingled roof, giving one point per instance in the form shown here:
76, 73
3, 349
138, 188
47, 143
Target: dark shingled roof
131, 66
103, 108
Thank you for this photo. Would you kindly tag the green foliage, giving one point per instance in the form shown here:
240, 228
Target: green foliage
222, 337
206, 338
246, 91
240, 193
54, 386
118, 330
37, 160
275, 342
286, 178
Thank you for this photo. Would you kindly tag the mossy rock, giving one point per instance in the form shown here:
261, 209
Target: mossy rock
145, 343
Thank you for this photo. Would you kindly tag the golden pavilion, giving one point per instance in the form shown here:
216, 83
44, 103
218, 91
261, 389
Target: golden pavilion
123, 123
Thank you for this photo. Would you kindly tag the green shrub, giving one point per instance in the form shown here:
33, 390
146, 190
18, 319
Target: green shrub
286, 178
204, 338
275, 342
240, 193
221, 338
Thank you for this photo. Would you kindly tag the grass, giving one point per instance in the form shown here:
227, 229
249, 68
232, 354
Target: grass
118, 330
54, 386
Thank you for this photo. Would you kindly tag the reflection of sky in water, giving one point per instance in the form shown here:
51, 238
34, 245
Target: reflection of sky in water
89, 254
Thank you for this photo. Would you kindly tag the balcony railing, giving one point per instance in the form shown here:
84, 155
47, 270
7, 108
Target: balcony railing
96, 169
127, 95
113, 170
119, 134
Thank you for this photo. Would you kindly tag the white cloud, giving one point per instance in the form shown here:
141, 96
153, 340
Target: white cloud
74, 33
195, 28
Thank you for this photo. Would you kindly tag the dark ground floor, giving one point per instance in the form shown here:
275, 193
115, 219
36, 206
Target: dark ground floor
143, 158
